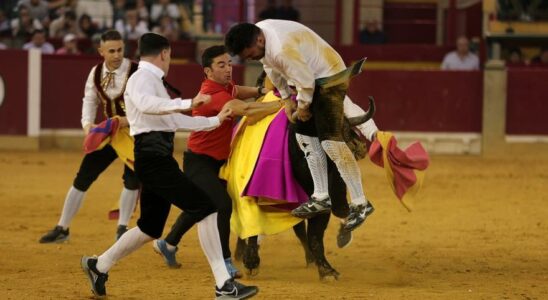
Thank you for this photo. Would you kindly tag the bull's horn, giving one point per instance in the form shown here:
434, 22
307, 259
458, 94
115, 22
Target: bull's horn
355, 121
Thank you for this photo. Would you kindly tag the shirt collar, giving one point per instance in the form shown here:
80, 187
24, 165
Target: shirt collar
152, 68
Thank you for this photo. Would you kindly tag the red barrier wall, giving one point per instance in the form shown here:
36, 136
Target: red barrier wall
63, 81
527, 101
13, 110
393, 52
430, 101
64, 77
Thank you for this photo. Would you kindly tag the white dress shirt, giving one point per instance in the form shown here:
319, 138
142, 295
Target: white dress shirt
114, 89
296, 53
149, 107
452, 61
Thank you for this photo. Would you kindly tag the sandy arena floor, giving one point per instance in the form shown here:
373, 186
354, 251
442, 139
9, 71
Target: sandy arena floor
479, 231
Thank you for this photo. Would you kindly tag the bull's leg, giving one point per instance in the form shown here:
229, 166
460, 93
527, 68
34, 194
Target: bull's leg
251, 256
300, 232
240, 249
316, 229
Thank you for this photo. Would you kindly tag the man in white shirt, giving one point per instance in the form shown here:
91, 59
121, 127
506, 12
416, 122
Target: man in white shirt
291, 52
153, 119
461, 59
105, 85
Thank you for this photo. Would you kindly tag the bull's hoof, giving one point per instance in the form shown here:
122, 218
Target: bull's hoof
328, 273
252, 260
240, 249
252, 272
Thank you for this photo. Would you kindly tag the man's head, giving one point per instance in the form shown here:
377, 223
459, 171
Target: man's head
217, 64
155, 49
112, 49
544, 55
463, 45
70, 43
246, 40
38, 37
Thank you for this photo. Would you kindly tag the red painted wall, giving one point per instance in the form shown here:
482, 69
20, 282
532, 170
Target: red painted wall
393, 52
429, 101
13, 110
64, 78
527, 102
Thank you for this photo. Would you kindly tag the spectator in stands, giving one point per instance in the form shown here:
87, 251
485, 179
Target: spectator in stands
119, 10
96, 43
515, 58
162, 8
86, 26
142, 10
131, 27
64, 25
38, 41
168, 28
38, 9
23, 27
3, 46
270, 12
286, 11
541, 60
461, 59
372, 33
5, 28
100, 12
70, 45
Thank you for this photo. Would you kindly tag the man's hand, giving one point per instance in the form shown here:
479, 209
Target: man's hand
225, 114
124, 122
304, 114
200, 99
290, 108
88, 127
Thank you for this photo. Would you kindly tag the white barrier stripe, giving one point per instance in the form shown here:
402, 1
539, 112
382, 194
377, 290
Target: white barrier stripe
34, 92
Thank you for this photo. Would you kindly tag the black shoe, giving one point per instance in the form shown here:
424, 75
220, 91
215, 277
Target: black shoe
312, 207
344, 237
57, 235
358, 214
96, 278
120, 230
235, 290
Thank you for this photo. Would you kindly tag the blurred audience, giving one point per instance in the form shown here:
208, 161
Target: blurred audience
168, 28
38, 41
541, 60
270, 12
515, 58
38, 9
164, 8
86, 26
372, 33
142, 10
70, 45
461, 59
131, 27
64, 25
286, 11
23, 26
100, 12
5, 28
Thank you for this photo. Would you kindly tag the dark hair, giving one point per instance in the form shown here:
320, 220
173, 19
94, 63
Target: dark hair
210, 53
69, 14
240, 37
111, 35
37, 31
151, 44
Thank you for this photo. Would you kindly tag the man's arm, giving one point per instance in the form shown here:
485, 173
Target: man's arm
246, 92
89, 103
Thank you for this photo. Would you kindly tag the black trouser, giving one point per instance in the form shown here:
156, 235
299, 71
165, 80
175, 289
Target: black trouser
95, 163
203, 170
327, 114
165, 184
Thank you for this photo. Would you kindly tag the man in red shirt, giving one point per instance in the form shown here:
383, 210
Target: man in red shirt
208, 150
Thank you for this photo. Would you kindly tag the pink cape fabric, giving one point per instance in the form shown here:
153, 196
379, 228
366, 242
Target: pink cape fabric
273, 176
402, 162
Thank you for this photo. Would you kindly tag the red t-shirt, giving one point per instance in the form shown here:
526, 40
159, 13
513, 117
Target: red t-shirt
214, 143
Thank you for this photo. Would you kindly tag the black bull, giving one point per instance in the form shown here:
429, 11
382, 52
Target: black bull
311, 234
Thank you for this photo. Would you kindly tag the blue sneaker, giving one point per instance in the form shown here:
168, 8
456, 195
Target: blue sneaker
234, 273
160, 246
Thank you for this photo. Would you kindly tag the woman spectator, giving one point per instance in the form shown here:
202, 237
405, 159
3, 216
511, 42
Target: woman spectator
65, 25
86, 26
168, 28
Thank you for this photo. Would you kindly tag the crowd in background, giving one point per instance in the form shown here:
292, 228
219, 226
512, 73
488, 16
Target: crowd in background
30, 23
